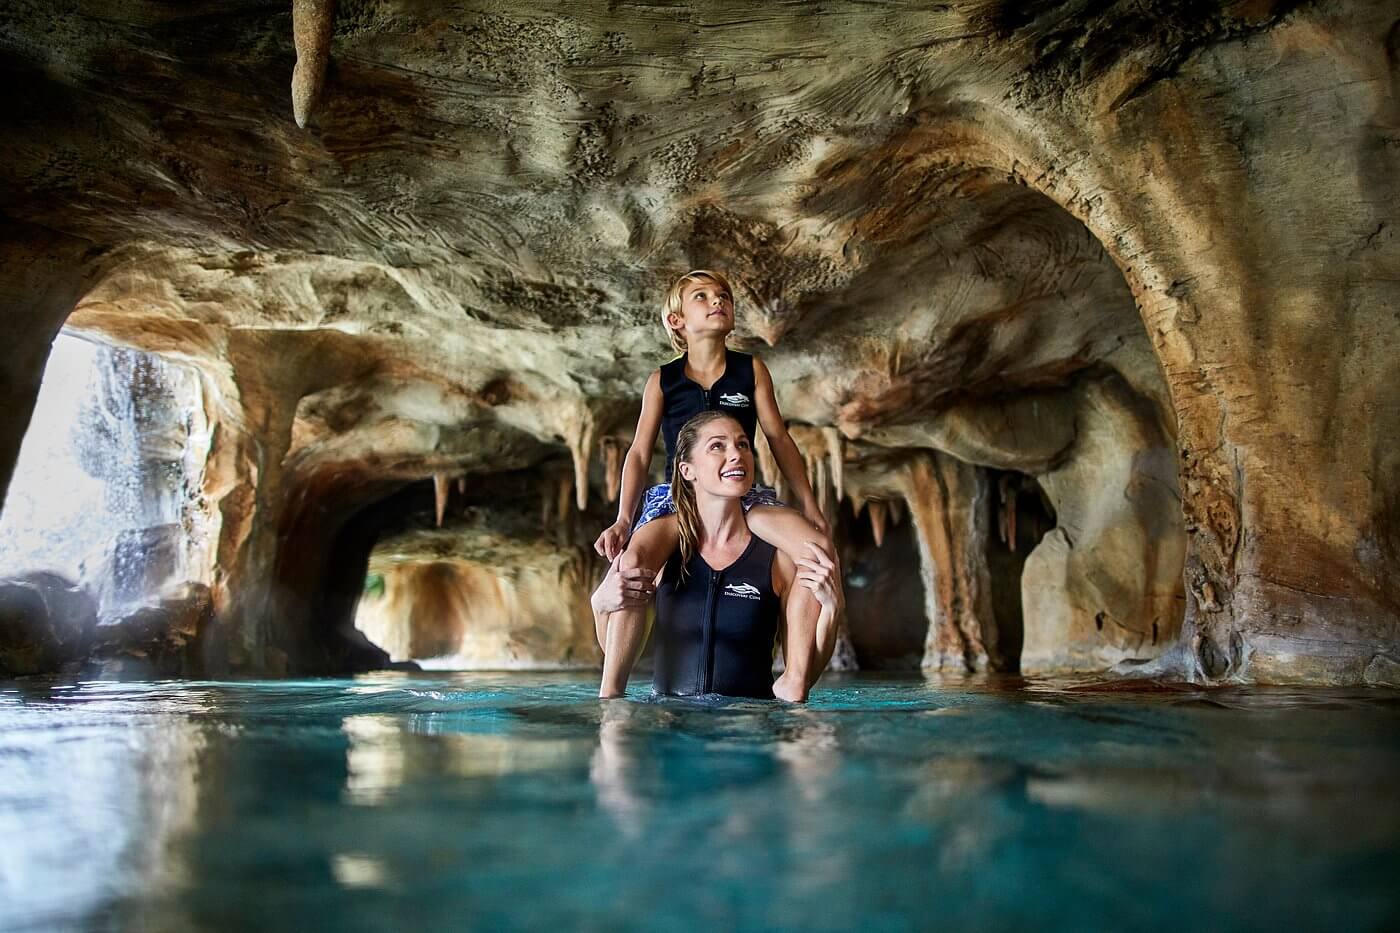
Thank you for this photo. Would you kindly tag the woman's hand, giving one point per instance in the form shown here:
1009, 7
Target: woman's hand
818, 574
624, 589
613, 539
813, 513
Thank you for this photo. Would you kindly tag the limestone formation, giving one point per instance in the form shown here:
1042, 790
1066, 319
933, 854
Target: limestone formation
472, 597
1140, 259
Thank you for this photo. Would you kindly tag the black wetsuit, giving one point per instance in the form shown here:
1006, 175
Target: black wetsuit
715, 630
683, 398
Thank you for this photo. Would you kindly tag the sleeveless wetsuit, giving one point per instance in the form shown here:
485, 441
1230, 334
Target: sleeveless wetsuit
715, 630
683, 398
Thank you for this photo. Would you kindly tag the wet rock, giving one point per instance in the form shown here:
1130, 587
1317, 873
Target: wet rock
46, 622
939, 246
139, 562
478, 596
161, 639
1383, 671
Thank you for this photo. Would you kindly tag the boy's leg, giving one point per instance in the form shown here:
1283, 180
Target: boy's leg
789, 532
620, 634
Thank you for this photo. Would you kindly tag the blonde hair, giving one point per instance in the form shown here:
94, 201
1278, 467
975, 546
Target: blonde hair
673, 301
682, 491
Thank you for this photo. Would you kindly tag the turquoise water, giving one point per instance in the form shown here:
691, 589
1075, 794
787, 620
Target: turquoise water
498, 801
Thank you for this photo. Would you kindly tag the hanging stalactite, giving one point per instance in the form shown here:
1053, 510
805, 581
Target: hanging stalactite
768, 465
440, 490
563, 497
836, 455
879, 512
313, 22
612, 467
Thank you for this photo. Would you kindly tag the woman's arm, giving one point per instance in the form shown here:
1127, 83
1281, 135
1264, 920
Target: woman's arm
634, 470
807, 588
784, 448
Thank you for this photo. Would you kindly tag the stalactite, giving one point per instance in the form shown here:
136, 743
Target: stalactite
836, 455
1006, 511
1011, 519
768, 465
821, 486
461, 485
612, 467
879, 511
896, 511
578, 436
562, 498
440, 490
313, 22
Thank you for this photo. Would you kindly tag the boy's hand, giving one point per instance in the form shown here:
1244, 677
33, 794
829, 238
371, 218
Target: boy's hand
818, 574
613, 539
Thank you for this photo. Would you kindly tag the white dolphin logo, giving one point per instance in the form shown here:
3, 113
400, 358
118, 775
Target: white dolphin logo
734, 398
746, 590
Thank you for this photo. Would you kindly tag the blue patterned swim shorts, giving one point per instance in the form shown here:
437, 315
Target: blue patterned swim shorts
656, 501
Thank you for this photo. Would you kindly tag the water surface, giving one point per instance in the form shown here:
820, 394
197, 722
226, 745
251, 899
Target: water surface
496, 801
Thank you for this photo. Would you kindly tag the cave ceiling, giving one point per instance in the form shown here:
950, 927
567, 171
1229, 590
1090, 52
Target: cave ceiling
479, 220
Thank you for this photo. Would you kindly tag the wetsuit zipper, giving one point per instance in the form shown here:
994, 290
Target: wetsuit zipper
707, 645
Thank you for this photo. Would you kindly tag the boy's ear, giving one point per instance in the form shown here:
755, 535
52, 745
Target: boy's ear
675, 321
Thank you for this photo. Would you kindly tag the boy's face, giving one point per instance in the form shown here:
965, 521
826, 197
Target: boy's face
706, 308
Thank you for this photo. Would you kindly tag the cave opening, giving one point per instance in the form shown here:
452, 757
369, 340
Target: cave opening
106, 491
1021, 515
884, 592
500, 582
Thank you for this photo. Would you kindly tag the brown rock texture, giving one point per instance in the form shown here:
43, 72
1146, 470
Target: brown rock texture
1141, 255
474, 598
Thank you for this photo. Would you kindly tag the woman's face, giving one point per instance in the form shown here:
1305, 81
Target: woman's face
721, 462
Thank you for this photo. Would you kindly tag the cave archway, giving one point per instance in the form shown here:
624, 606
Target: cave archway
884, 595
1021, 515
499, 582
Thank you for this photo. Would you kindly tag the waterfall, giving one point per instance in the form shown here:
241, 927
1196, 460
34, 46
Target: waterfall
99, 492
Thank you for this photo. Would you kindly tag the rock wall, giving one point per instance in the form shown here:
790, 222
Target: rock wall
1145, 256
471, 598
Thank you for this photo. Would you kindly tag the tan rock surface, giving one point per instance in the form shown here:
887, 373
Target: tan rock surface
1148, 258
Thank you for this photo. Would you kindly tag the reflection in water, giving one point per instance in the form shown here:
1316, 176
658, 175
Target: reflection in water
500, 801
89, 806
615, 770
374, 760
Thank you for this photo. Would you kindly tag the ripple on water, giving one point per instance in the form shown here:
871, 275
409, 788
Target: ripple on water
509, 800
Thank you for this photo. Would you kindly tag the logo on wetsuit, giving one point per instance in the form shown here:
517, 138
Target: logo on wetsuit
742, 590
734, 398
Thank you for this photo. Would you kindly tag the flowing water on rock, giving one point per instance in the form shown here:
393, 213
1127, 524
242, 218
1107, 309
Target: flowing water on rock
100, 491
491, 801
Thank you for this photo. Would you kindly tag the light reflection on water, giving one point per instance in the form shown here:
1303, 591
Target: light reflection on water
518, 800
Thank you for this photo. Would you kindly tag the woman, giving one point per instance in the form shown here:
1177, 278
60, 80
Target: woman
721, 595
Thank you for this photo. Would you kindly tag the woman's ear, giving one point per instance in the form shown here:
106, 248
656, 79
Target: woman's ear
687, 471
